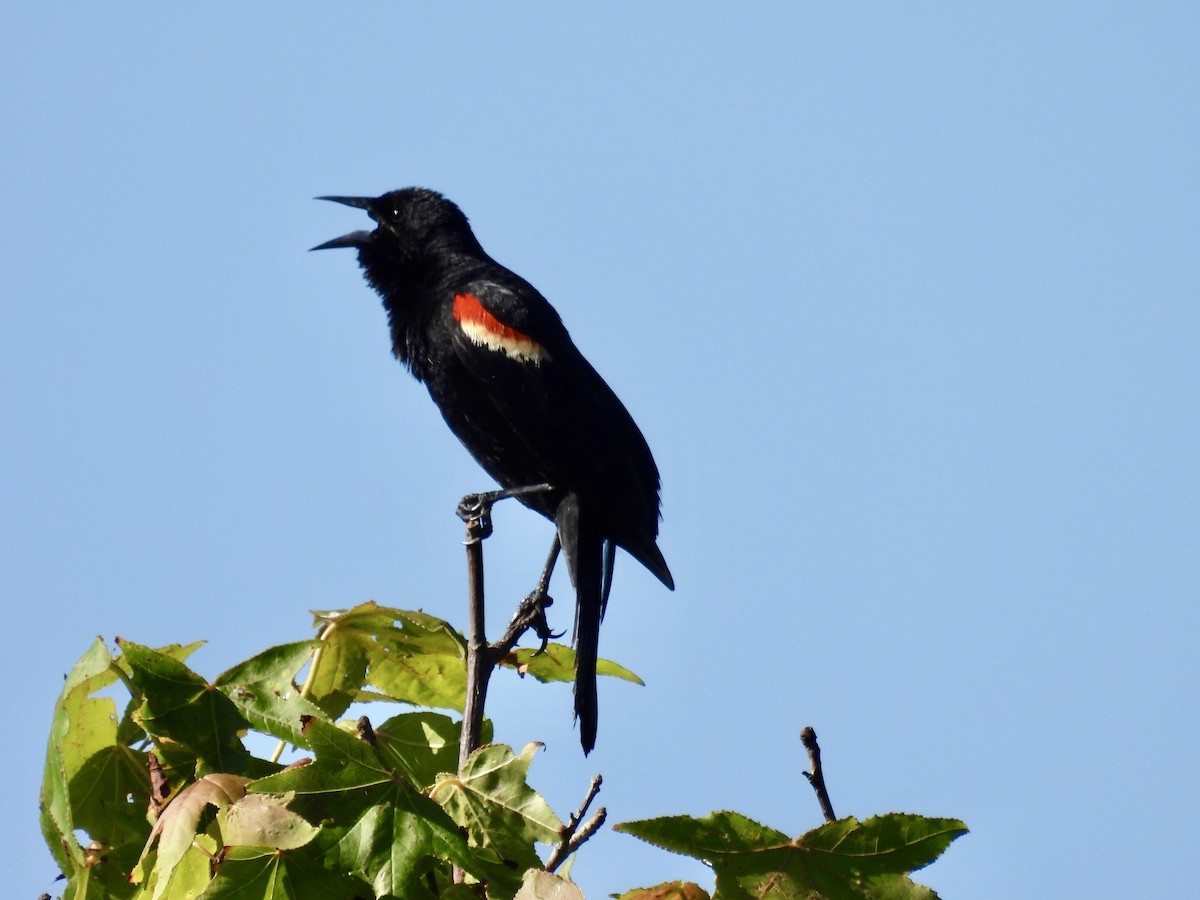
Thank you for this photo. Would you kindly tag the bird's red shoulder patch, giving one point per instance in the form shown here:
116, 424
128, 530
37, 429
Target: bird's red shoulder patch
484, 329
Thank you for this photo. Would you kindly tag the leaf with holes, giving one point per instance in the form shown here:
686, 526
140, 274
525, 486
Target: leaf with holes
264, 691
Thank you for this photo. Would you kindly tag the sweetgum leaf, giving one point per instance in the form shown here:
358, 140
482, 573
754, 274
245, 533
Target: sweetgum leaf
179, 705
672, 890
343, 762
177, 652
423, 662
557, 663
341, 670
369, 617
178, 825
840, 860
110, 794
888, 844
258, 879
375, 824
190, 875
421, 745
539, 884
493, 801
407, 656
105, 876
310, 880
264, 820
93, 781
437, 679
390, 835
66, 752
264, 691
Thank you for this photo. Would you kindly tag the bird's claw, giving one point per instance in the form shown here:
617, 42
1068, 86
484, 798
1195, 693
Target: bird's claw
476, 509
535, 613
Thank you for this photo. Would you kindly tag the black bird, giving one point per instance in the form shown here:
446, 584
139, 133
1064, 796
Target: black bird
515, 390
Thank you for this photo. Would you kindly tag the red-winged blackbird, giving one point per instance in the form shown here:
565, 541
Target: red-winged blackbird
515, 390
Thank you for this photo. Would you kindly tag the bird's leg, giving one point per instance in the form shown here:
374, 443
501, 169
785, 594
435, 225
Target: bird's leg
531, 613
540, 599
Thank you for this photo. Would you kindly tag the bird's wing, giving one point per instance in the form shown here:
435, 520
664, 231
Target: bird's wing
514, 344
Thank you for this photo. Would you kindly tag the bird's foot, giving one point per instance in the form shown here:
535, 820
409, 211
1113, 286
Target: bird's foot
533, 611
476, 509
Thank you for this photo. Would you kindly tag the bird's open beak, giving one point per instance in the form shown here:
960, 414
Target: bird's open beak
356, 202
354, 238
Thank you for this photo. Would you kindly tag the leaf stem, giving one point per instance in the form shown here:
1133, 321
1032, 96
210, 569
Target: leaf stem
309, 679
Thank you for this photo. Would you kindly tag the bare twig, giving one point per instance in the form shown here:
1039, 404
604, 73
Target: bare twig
476, 511
478, 662
816, 777
572, 834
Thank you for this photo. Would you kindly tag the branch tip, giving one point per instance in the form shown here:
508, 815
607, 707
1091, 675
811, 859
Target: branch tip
816, 776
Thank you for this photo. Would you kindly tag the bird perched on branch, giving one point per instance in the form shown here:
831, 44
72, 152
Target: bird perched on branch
512, 386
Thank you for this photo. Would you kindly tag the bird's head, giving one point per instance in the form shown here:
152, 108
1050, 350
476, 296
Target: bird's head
409, 222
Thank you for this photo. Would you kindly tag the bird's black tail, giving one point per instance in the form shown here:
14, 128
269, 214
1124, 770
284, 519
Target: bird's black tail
586, 554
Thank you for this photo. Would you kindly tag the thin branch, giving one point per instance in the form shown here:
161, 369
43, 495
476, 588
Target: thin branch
479, 664
573, 835
476, 511
816, 777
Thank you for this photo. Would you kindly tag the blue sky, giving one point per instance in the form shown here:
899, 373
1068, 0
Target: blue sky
904, 300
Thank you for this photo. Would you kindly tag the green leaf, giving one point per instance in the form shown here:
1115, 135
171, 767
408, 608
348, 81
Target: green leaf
437, 679
422, 745
391, 837
375, 824
892, 843
179, 705
340, 670
258, 879
840, 860
493, 801
110, 794
179, 823
264, 691
187, 879
539, 884
343, 762
557, 663
66, 751
310, 880
177, 652
369, 617
105, 876
290, 875
423, 662
671, 890
264, 820
407, 656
